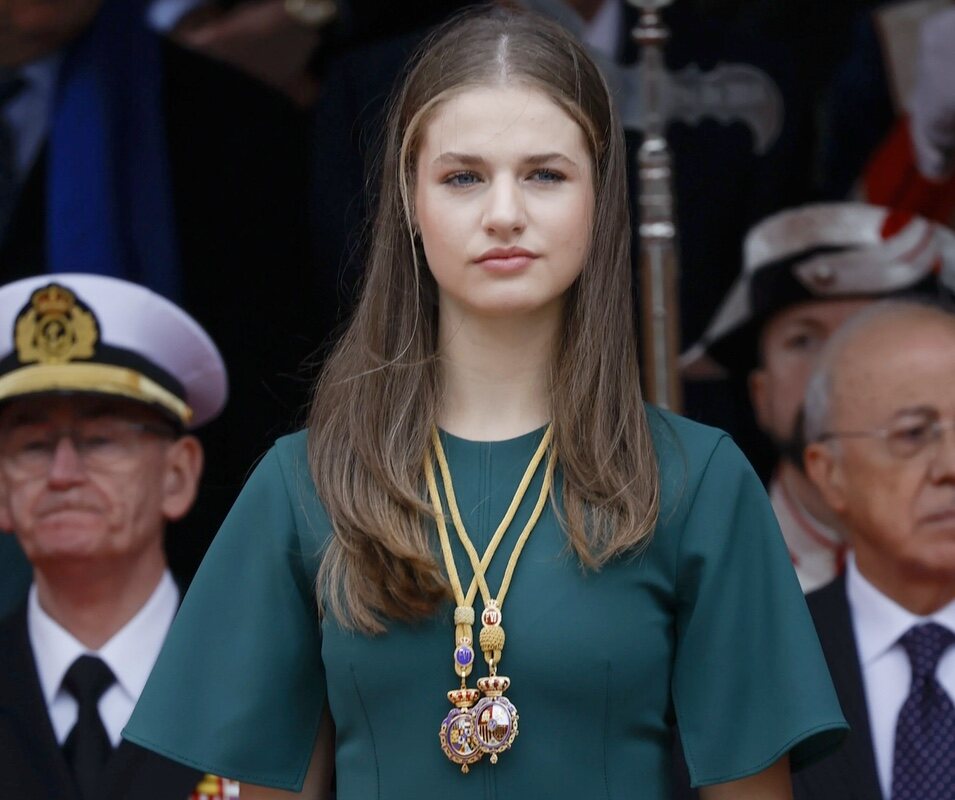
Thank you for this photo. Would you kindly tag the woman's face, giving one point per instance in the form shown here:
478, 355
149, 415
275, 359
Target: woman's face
504, 201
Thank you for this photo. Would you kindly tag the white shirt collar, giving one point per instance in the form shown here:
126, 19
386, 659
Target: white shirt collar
879, 620
130, 653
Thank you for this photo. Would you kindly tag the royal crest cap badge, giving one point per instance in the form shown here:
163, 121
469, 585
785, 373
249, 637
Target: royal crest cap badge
55, 328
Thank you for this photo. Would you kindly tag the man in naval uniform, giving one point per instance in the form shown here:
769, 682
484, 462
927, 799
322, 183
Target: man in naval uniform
806, 271
101, 381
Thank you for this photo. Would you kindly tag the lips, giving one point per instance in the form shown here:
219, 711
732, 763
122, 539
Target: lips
944, 517
506, 259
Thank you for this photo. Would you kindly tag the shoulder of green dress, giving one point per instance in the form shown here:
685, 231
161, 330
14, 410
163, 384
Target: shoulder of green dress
293, 447
291, 455
684, 449
678, 440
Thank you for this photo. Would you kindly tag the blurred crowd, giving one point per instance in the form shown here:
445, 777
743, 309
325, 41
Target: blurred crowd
222, 154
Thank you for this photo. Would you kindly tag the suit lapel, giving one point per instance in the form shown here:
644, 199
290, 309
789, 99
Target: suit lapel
31, 762
854, 765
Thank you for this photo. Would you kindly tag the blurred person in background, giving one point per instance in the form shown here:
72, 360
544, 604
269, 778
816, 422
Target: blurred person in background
101, 384
933, 101
807, 270
879, 422
123, 153
891, 81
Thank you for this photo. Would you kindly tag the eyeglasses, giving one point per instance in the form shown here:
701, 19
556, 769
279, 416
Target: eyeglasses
103, 445
903, 439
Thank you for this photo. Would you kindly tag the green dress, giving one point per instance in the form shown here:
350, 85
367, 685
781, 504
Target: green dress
705, 628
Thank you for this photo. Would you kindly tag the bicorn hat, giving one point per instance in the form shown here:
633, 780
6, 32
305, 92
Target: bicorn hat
823, 251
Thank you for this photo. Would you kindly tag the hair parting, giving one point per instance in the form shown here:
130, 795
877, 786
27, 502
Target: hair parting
379, 393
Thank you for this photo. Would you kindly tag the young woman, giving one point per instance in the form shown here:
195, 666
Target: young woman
478, 459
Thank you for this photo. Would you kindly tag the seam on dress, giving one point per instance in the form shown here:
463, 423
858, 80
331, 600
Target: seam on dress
606, 727
300, 560
676, 586
371, 732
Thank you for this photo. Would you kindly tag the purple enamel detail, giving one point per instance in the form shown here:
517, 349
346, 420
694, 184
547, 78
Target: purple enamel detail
464, 656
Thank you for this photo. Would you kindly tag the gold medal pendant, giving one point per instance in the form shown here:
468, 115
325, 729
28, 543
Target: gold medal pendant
495, 717
457, 731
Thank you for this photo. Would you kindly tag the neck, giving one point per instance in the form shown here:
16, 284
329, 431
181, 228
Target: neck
496, 374
799, 487
94, 601
920, 592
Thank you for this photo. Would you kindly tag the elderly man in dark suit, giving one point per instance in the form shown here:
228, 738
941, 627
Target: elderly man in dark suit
101, 381
880, 418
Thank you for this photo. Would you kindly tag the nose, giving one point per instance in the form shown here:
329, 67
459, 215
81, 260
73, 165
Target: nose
66, 466
505, 213
943, 462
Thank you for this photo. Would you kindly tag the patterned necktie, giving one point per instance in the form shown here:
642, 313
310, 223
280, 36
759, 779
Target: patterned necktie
923, 767
10, 87
87, 747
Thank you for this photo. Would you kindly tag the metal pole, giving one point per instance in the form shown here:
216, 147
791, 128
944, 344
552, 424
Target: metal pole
658, 257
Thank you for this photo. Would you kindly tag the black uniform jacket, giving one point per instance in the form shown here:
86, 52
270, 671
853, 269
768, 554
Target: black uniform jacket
32, 766
850, 773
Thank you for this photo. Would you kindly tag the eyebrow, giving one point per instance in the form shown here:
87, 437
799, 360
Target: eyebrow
468, 159
913, 410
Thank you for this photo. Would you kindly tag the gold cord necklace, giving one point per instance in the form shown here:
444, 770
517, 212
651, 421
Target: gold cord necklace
477, 726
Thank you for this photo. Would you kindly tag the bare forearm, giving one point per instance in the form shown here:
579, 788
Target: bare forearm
770, 784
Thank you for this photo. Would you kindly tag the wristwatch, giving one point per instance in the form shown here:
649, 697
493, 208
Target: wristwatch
313, 13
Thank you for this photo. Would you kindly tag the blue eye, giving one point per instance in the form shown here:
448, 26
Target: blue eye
547, 176
461, 179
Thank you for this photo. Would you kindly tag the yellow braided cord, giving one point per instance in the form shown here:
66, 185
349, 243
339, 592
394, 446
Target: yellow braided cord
443, 535
480, 565
528, 529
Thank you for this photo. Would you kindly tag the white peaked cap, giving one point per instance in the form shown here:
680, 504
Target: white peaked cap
73, 332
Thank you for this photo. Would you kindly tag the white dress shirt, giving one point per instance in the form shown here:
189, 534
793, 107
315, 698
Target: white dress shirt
130, 654
886, 672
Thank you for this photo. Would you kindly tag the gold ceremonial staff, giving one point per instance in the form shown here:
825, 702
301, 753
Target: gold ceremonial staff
660, 304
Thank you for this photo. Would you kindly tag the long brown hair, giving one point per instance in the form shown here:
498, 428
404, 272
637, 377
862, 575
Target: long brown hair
379, 393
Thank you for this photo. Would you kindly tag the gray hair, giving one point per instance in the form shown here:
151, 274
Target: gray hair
817, 408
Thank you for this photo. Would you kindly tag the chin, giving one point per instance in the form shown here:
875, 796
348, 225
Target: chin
75, 541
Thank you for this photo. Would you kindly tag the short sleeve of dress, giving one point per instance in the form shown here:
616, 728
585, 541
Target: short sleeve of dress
750, 682
239, 687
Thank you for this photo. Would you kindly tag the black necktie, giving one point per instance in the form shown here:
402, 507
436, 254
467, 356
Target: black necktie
10, 87
923, 766
87, 747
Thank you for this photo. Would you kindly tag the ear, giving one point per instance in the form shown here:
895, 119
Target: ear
825, 470
184, 459
760, 395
